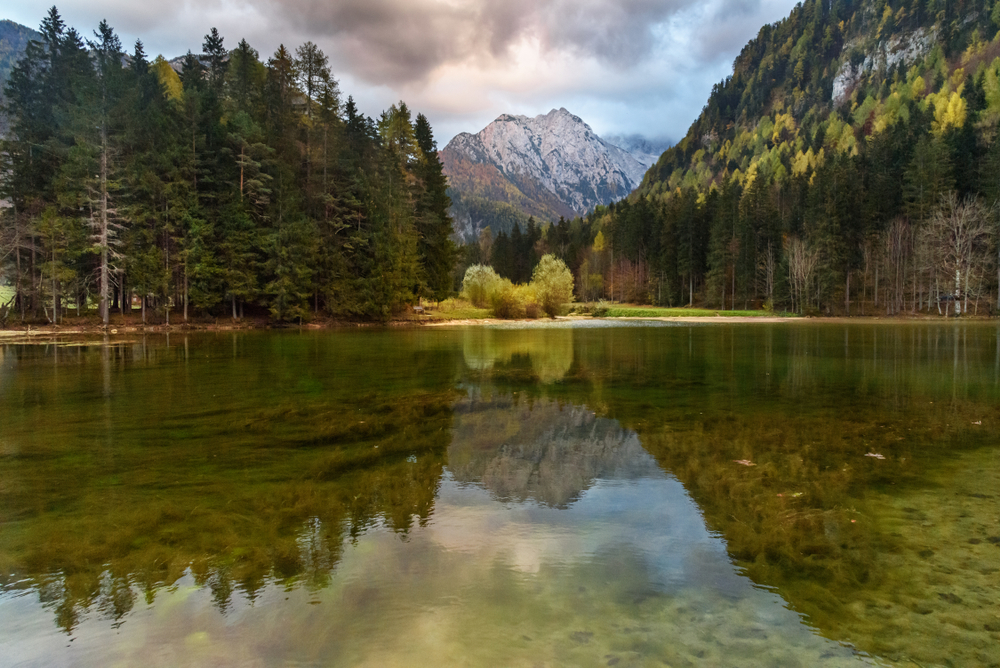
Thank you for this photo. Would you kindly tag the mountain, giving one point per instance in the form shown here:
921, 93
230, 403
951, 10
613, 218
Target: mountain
549, 166
14, 39
646, 151
832, 76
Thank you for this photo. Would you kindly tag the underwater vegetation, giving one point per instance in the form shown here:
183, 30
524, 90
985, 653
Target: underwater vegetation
852, 469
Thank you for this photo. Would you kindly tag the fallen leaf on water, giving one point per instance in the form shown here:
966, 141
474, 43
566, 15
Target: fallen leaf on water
978, 422
745, 462
874, 454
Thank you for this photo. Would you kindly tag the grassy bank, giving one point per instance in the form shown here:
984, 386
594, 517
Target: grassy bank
660, 312
452, 309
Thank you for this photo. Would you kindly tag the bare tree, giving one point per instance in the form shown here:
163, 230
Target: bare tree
766, 267
869, 256
960, 238
802, 262
897, 244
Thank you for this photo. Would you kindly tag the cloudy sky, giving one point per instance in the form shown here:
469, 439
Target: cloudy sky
624, 66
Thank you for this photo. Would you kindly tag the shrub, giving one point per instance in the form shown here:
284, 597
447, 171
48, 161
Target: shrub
511, 301
553, 284
480, 283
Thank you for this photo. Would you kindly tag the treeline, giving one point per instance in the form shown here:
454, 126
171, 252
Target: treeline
875, 196
515, 256
236, 184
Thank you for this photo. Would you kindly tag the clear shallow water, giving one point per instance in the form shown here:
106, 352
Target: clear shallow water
493, 497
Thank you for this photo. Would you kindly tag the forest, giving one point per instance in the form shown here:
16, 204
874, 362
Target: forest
836, 171
229, 186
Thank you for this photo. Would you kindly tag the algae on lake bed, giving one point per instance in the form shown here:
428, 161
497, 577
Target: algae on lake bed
487, 496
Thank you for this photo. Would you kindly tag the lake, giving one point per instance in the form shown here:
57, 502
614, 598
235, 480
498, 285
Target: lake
587, 494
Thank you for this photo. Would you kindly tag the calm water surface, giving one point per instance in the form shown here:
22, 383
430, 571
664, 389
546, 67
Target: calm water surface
605, 495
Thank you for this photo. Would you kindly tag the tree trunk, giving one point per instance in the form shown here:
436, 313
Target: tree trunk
34, 294
122, 294
55, 291
103, 227
734, 289
876, 285
965, 306
326, 206
958, 292
847, 295
17, 255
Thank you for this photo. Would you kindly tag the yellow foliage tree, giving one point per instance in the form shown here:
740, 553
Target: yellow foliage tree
168, 79
949, 111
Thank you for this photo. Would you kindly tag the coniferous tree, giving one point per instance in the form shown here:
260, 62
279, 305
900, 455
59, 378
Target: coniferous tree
236, 183
435, 249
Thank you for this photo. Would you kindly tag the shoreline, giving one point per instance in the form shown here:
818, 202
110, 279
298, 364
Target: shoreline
47, 333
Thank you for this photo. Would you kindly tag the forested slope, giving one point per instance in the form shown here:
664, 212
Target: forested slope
236, 184
848, 164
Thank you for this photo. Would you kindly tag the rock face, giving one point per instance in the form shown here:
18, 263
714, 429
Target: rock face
556, 153
903, 48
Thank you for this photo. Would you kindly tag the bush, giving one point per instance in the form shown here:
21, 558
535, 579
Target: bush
553, 284
480, 283
511, 301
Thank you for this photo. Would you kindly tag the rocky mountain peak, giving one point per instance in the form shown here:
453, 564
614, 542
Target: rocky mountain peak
559, 151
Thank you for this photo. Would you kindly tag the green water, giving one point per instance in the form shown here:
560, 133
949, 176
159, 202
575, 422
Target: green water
542, 496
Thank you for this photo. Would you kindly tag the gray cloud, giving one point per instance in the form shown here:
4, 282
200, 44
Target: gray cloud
624, 66
619, 33
728, 28
392, 41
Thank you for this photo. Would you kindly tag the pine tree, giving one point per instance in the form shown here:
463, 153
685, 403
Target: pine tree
435, 249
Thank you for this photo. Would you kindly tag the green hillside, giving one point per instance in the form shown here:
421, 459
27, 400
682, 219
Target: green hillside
832, 170
830, 75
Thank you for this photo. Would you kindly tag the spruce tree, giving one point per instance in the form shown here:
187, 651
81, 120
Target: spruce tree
435, 249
